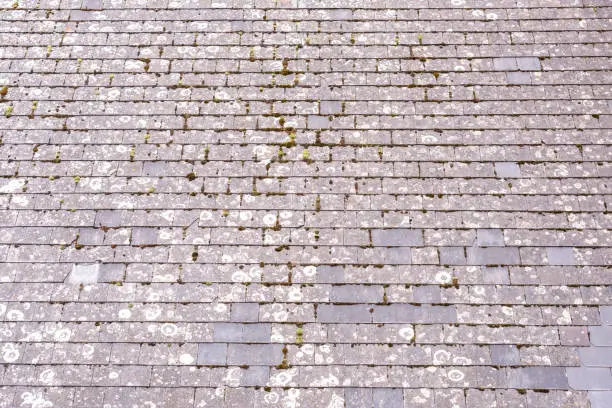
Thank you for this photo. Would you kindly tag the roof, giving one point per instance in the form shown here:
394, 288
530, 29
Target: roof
305, 203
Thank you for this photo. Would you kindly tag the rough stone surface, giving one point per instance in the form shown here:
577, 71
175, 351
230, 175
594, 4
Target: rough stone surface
84, 274
305, 203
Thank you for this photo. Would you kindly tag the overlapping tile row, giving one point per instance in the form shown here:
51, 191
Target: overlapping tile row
300, 203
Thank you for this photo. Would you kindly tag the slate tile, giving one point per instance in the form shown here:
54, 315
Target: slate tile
356, 294
518, 78
589, 378
212, 353
387, 398
452, 256
493, 256
245, 312
538, 378
505, 64
256, 376
528, 63
84, 274
561, 256
596, 356
254, 354
397, 237
600, 399
507, 169
601, 335
606, 315
358, 397
92, 5
330, 107
490, 237
505, 355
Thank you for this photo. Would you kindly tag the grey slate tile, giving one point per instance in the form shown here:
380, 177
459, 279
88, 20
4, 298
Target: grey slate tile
496, 275
538, 378
397, 237
331, 274
318, 122
405, 313
507, 169
256, 376
574, 336
330, 107
518, 78
398, 255
255, 354
356, 294
452, 256
108, 218
256, 333
596, 356
84, 274
328, 313
560, 256
387, 398
505, 64
358, 397
528, 63
144, 236
601, 335
606, 315
490, 237
589, 378
245, 312
91, 5
493, 256
212, 353
600, 399
227, 332
427, 294
505, 355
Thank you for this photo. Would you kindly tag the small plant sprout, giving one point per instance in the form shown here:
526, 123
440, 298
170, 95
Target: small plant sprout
34, 106
291, 141
299, 336
285, 70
